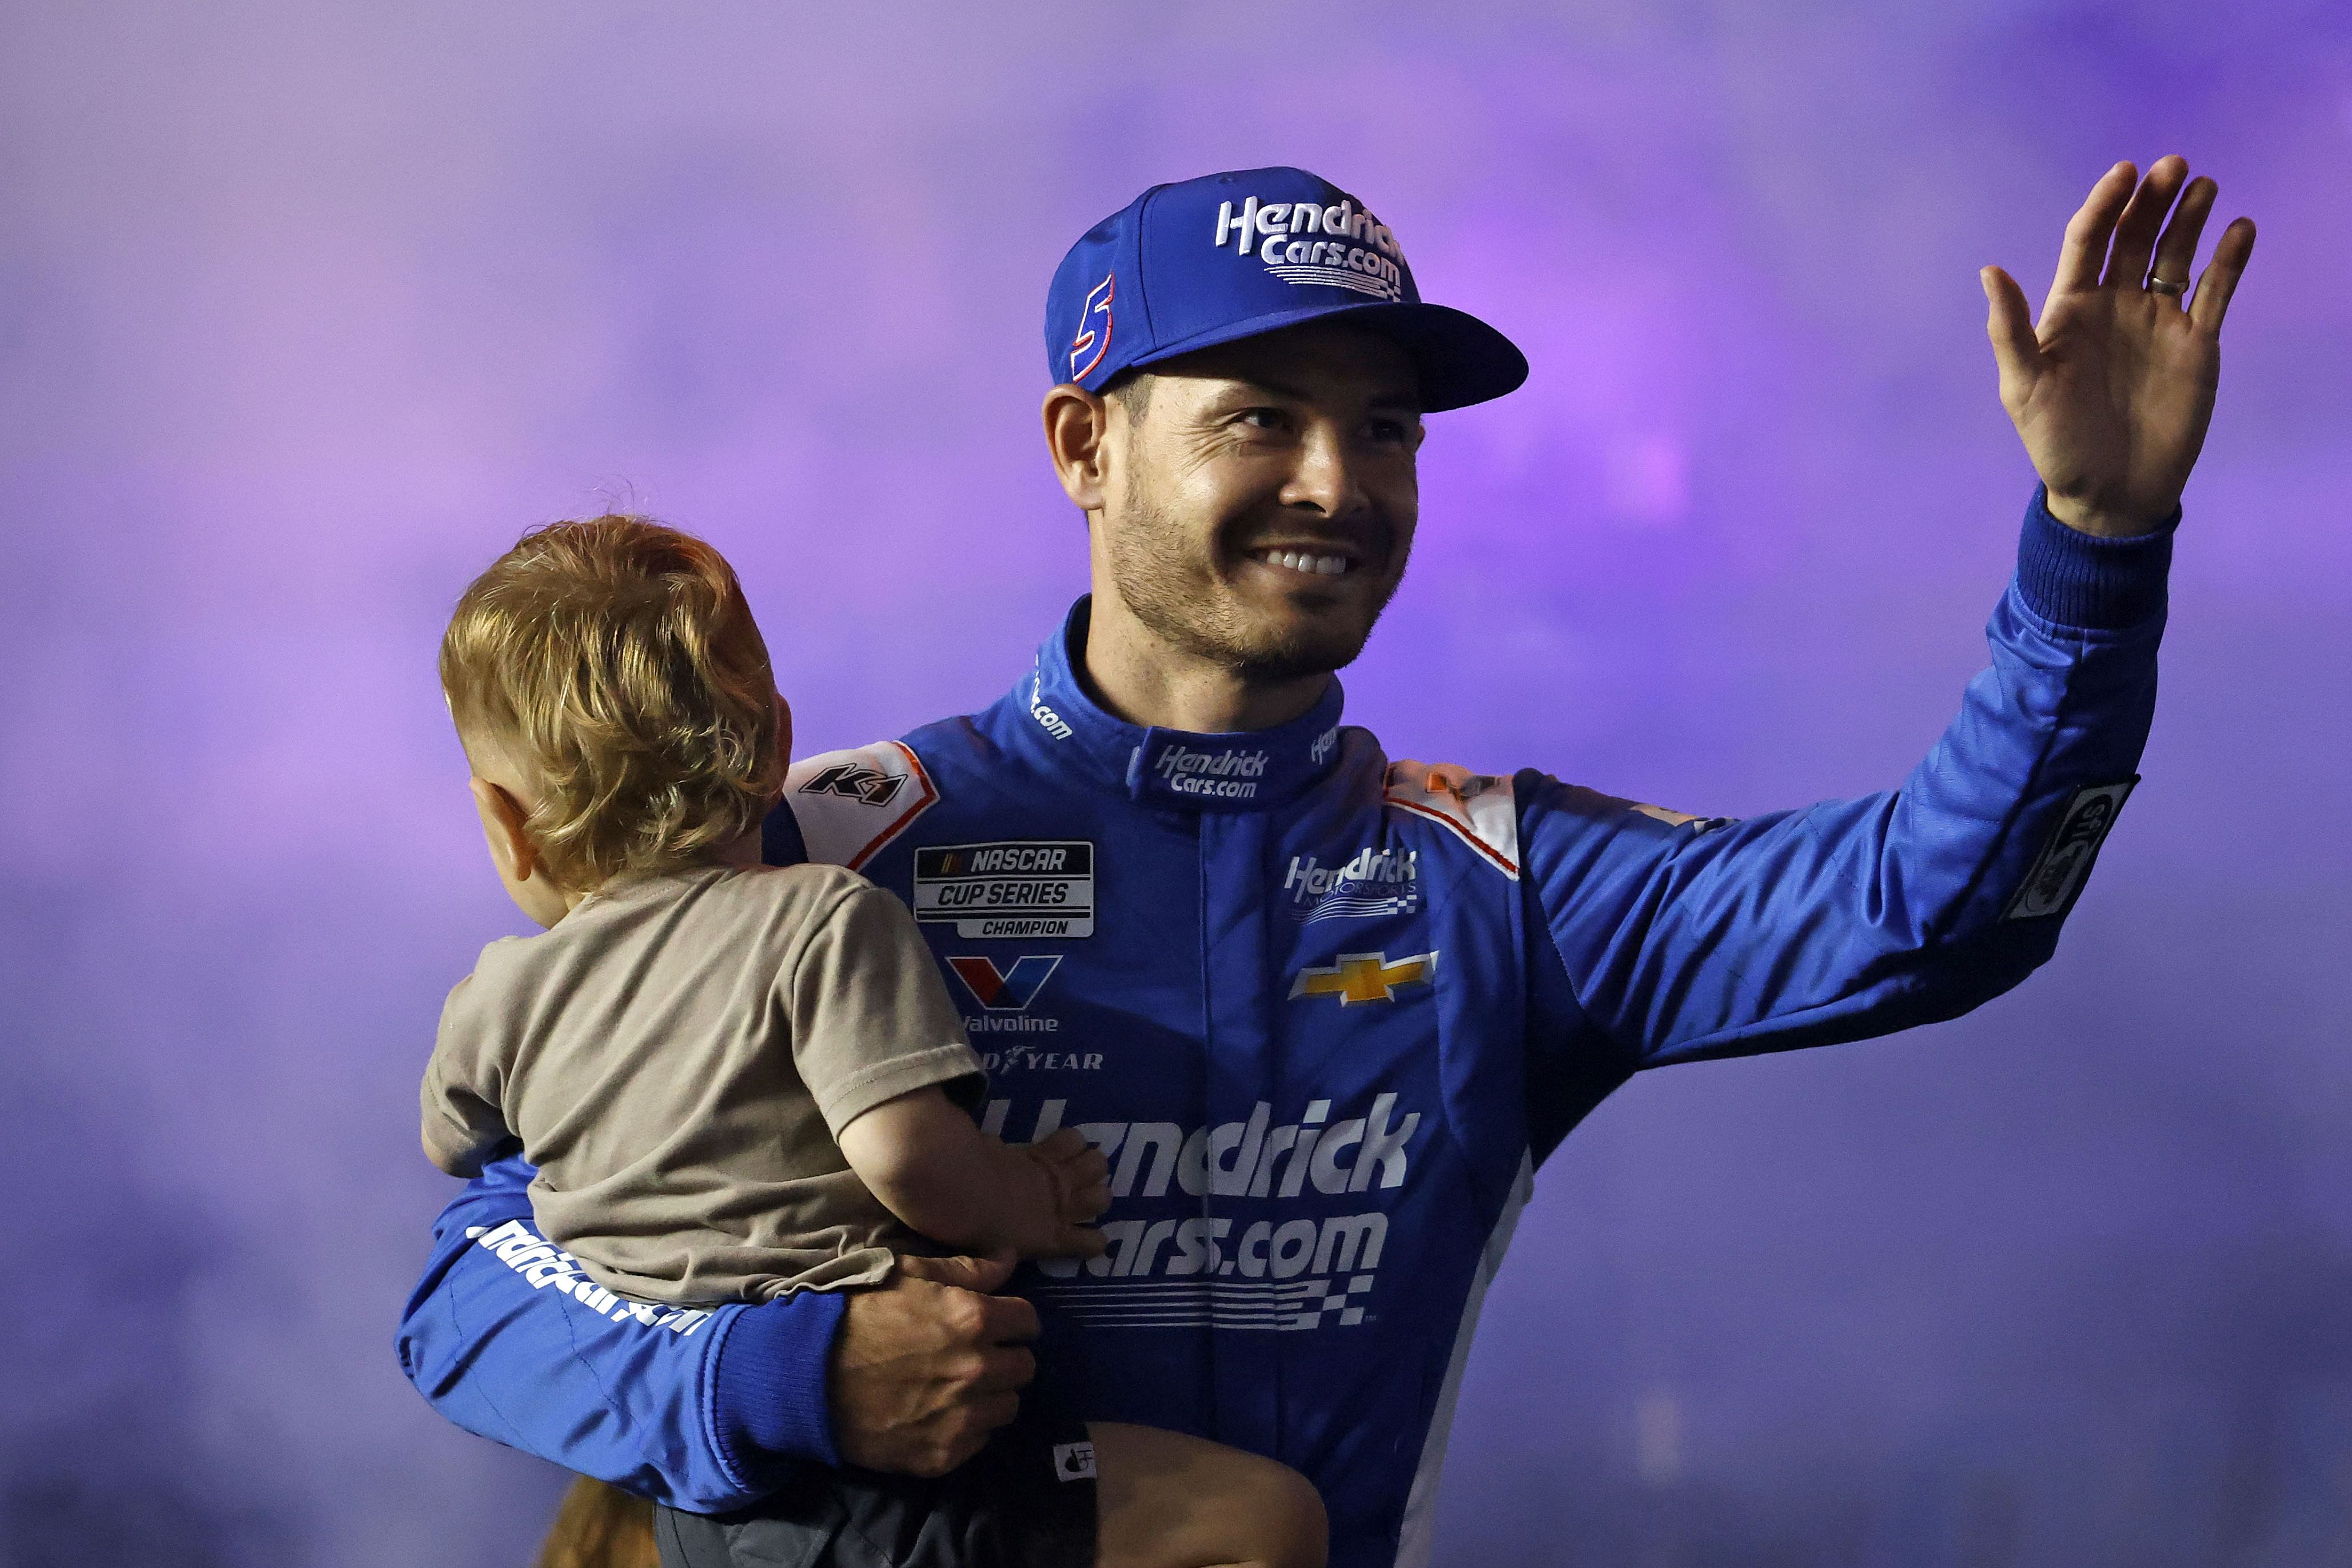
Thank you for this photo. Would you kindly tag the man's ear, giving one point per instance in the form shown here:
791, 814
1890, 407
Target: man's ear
503, 817
1077, 422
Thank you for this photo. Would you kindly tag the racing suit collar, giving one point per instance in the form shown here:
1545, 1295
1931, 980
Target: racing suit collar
1243, 770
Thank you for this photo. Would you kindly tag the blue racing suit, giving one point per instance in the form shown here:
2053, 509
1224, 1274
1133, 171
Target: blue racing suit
1325, 1012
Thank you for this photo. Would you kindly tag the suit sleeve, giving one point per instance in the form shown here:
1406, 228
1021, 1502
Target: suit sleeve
1685, 939
703, 1410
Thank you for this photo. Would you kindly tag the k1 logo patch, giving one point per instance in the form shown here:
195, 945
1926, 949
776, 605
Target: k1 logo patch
856, 781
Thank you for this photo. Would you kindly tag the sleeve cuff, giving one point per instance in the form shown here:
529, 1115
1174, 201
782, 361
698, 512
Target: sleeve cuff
767, 1389
2098, 584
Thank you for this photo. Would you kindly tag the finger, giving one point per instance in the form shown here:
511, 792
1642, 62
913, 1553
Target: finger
2088, 230
1003, 1369
1007, 1320
1063, 1145
2142, 221
2175, 253
2015, 348
981, 1274
1089, 1201
1090, 1169
1080, 1241
2221, 274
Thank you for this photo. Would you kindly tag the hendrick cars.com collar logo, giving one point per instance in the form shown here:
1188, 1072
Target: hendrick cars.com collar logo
1013, 888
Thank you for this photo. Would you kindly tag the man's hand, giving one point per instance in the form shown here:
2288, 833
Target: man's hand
2113, 388
925, 1367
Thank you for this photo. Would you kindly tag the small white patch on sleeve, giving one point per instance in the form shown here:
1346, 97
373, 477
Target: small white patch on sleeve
1480, 808
2066, 859
849, 804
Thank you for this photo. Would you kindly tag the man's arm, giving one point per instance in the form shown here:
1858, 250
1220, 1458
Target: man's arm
1856, 917
704, 1411
1686, 940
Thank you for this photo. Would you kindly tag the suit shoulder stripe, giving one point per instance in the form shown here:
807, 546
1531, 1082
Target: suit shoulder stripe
851, 804
1479, 808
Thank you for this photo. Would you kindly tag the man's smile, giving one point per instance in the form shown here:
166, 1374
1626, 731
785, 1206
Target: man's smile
1319, 561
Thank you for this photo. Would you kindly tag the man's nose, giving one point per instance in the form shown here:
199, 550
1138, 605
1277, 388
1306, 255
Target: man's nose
1326, 477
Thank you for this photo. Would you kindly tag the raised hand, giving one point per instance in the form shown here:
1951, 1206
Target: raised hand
2112, 389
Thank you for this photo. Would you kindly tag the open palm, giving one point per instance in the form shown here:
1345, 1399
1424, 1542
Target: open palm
2112, 389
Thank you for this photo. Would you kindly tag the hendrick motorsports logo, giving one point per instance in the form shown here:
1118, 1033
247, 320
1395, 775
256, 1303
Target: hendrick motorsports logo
1020, 887
1375, 883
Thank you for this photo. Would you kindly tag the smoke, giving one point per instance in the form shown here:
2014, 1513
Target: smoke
305, 313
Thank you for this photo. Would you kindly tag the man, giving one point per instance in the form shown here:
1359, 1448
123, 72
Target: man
1325, 1012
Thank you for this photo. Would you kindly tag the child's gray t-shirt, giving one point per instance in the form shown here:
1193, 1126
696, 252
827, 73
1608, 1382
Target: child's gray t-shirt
677, 1056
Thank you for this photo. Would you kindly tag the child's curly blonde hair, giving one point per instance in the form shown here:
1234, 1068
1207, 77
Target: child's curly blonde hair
616, 662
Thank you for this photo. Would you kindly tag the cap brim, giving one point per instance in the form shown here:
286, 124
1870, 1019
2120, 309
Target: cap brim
1459, 359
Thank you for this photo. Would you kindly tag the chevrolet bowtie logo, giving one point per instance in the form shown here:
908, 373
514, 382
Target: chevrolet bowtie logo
1364, 977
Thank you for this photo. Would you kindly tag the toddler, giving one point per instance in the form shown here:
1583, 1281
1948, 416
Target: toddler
741, 1081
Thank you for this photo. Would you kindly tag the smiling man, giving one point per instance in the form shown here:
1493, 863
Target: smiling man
1324, 1012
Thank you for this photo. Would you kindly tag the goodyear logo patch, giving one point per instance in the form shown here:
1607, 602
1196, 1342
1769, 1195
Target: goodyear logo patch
1013, 888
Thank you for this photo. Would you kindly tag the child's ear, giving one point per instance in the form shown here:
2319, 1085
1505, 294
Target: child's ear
783, 730
502, 824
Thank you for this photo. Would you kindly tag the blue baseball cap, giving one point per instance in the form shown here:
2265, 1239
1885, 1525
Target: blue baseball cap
1207, 261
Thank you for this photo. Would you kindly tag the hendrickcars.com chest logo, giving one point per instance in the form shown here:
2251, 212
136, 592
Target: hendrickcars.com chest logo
1261, 1263
1014, 888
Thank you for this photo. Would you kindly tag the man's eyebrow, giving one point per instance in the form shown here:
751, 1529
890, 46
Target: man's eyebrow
1393, 402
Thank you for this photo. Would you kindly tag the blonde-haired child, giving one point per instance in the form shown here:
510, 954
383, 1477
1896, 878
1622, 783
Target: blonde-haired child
739, 1081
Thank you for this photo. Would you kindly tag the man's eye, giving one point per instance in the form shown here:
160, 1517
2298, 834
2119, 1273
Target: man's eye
1390, 430
1263, 418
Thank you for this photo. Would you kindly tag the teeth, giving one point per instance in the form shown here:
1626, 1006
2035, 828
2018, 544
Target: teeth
1300, 560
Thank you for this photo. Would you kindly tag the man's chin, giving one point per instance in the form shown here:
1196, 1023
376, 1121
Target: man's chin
1291, 653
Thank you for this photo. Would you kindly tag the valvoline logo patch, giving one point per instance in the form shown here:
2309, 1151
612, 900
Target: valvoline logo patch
1005, 990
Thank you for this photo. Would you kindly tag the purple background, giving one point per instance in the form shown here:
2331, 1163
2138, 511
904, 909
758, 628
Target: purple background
305, 312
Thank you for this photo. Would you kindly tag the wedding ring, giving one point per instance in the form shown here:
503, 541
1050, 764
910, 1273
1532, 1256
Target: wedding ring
2164, 286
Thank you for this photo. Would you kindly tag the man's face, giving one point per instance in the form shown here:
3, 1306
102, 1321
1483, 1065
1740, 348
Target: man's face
1263, 496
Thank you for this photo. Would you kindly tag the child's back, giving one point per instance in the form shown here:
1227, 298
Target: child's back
679, 1055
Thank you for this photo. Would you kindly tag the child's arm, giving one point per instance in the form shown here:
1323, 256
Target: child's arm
463, 1128
933, 1168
